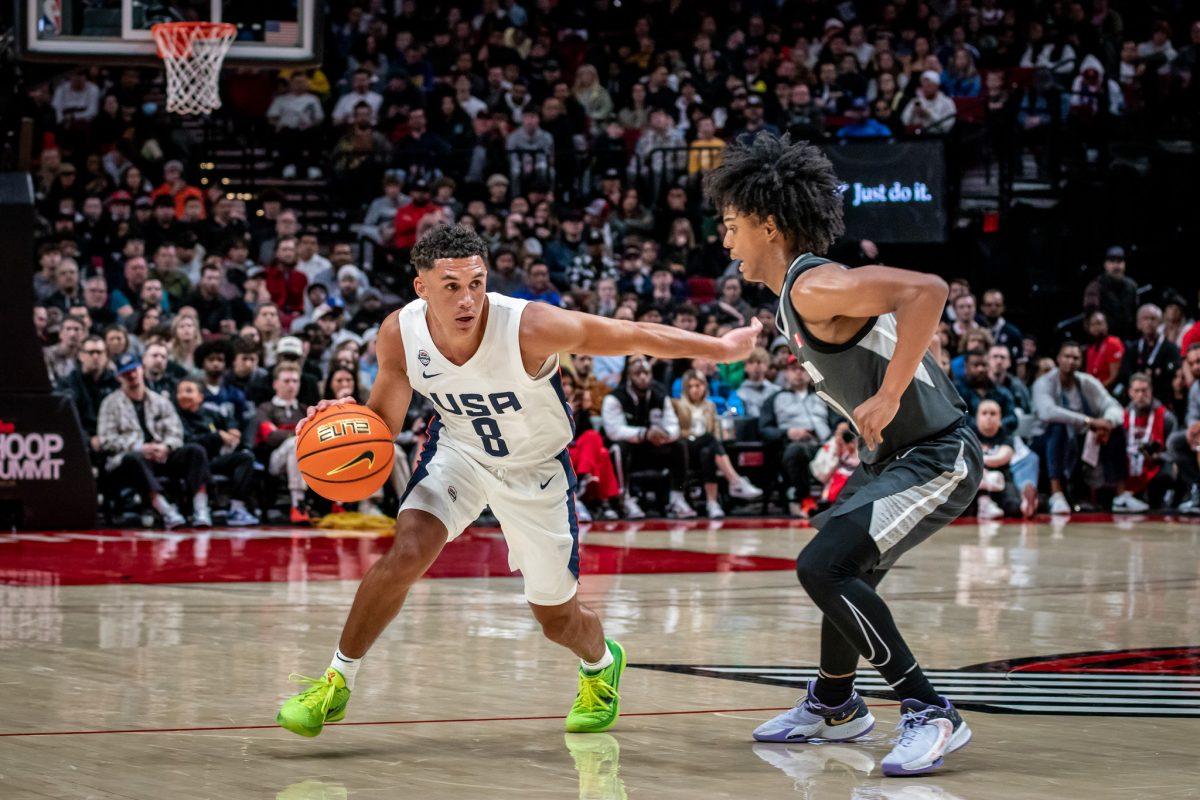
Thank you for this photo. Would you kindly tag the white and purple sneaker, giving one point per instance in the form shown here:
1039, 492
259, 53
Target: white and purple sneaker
810, 720
927, 734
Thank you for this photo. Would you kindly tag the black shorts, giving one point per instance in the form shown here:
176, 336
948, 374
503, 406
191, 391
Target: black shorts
917, 492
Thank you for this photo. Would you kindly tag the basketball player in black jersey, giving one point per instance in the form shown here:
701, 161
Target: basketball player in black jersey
863, 335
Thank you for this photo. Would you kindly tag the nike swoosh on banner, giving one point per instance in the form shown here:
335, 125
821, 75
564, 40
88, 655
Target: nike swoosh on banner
368, 456
427, 376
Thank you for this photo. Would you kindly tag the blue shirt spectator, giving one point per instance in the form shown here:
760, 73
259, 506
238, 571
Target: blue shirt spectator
539, 287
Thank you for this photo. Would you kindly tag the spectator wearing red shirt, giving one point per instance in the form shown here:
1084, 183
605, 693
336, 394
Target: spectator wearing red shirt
175, 187
408, 218
1104, 354
1191, 337
285, 283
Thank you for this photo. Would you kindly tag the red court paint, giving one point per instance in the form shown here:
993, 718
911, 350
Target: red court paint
140, 557
277, 554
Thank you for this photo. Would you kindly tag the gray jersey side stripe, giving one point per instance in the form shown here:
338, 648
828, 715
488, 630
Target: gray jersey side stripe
894, 516
882, 341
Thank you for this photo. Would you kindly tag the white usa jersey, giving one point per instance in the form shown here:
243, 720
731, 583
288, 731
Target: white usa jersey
489, 408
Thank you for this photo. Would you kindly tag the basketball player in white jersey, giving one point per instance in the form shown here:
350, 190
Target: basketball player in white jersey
489, 363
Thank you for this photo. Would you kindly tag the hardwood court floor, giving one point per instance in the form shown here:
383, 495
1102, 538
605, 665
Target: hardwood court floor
140, 665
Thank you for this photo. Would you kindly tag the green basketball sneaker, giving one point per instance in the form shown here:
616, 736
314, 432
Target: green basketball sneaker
323, 701
598, 704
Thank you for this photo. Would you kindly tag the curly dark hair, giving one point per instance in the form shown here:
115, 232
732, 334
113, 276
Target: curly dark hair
794, 181
447, 241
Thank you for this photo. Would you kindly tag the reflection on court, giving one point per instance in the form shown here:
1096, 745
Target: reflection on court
126, 689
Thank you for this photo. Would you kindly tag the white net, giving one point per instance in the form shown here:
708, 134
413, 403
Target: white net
193, 53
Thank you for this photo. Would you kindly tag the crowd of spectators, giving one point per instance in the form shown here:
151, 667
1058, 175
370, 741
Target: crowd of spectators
192, 326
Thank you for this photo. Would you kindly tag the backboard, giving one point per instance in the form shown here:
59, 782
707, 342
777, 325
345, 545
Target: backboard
271, 33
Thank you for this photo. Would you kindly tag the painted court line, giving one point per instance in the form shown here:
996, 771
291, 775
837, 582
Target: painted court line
206, 728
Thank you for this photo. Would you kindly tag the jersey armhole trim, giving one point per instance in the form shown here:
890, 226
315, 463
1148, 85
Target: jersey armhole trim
827, 347
806, 262
545, 372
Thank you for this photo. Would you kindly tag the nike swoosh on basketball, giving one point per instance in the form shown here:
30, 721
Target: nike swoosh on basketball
368, 456
426, 375
547, 483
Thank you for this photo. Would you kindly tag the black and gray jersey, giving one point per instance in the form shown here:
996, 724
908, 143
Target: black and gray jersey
844, 375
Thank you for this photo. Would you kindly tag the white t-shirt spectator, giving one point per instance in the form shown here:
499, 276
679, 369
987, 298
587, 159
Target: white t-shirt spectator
295, 111
314, 267
932, 116
1148, 48
81, 105
343, 110
473, 105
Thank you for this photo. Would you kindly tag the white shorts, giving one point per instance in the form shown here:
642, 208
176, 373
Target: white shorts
535, 506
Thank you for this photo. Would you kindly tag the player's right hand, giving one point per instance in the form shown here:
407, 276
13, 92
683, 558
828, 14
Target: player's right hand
319, 407
738, 343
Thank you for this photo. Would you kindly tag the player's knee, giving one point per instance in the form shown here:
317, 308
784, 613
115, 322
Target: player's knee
813, 570
410, 553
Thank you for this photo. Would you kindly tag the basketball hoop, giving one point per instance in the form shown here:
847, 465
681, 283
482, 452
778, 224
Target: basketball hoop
193, 53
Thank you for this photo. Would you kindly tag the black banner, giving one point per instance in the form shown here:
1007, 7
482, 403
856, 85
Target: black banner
893, 191
45, 474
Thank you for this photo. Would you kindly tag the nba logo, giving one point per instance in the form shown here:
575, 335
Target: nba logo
450, 490
423, 357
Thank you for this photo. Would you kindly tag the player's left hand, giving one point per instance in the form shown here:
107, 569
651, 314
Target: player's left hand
873, 415
738, 343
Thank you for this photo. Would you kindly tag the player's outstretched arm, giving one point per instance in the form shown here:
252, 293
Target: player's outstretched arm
916, 298
546, 329
391, 393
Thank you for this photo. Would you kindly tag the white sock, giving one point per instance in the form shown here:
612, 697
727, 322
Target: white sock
347, 666
237, 505
297, 498
604, 661
161, 504
200, 502
677, 495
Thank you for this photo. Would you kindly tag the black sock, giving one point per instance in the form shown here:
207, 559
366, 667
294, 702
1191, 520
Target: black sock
915, 686
833, 692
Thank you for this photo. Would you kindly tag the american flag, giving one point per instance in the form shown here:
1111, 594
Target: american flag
281, 32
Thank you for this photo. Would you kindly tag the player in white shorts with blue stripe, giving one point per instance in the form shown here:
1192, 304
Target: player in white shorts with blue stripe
489, 364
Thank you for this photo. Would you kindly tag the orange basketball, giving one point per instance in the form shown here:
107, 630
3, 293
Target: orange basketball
345, 453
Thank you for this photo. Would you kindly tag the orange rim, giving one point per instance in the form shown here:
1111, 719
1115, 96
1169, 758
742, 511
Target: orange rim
174, 39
